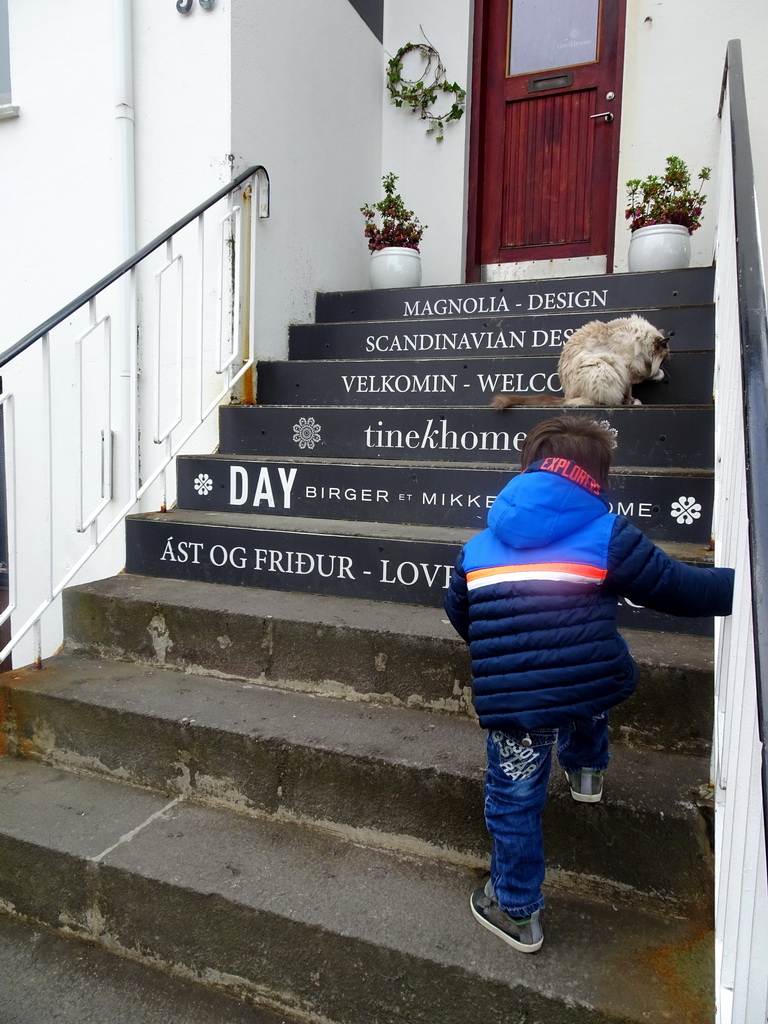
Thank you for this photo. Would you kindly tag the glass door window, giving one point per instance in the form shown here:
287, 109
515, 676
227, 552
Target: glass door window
546, 34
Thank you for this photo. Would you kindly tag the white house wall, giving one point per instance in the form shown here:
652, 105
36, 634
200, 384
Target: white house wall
673, 66
57, 195
182, 86
306, 103
432, 174
58, 202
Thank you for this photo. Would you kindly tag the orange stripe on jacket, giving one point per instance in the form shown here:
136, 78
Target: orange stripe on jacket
566, 571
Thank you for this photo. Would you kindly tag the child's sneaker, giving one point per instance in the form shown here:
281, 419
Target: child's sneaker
525, 934
586, 785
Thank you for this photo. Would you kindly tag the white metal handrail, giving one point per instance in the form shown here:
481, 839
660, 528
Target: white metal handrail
119, 364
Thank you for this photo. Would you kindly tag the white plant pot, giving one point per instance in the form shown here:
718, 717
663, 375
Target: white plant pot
395, 267
659, 247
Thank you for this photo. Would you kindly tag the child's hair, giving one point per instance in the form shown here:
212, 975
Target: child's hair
579, 439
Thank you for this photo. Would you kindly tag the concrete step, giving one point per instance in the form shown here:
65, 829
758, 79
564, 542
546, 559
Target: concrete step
437, 381
398, 655
659, 437
585, 295
671, 506
688, 327
306, 919
394, 777
380, 561
45, 977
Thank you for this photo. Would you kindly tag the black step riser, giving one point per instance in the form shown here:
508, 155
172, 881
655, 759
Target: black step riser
473, 382
675, 508
690, 328
580, 295
647, 436
377, 569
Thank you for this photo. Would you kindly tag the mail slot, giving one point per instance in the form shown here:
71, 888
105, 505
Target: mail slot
551, 82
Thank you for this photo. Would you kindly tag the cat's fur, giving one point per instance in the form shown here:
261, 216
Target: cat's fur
601, 361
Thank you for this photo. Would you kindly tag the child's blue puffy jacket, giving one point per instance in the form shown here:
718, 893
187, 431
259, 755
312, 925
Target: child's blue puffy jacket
536, 594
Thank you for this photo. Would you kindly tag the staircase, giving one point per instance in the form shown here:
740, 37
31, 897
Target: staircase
255, 762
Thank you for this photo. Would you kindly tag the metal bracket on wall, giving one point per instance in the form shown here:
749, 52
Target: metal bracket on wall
185, 6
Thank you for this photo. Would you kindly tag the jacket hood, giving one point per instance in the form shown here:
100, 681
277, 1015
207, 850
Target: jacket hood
552, 498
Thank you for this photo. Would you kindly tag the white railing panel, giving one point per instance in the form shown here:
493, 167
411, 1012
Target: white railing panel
93, 353
141, 358
229, 311
169, 346
741, 882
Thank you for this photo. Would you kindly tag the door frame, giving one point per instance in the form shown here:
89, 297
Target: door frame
481, 47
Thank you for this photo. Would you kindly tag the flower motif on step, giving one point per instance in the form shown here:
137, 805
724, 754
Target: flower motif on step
203, 484
306, 433
611, 430
685, 510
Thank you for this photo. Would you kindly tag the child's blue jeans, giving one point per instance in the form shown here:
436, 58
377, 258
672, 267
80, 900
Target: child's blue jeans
515, 792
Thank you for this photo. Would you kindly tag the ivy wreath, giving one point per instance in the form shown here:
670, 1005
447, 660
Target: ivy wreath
420, 93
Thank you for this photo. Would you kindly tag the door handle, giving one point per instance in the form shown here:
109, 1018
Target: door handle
606, 115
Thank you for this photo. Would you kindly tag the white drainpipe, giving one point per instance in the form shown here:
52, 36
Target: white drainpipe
125, 130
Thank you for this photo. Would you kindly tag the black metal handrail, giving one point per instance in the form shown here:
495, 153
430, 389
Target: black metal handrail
753, 325
129, 264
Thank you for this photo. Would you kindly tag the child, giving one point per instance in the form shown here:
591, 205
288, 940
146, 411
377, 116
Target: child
535, 596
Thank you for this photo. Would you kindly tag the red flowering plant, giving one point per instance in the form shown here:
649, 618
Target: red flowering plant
668, 199
399, 226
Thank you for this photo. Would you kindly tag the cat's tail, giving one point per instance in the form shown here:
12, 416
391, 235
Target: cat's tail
508, 401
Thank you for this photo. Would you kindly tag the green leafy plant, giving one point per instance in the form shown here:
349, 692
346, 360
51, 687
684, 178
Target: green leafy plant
668, 199
399, 226
420, 93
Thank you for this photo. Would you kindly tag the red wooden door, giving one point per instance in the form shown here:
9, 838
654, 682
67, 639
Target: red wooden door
545, 131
